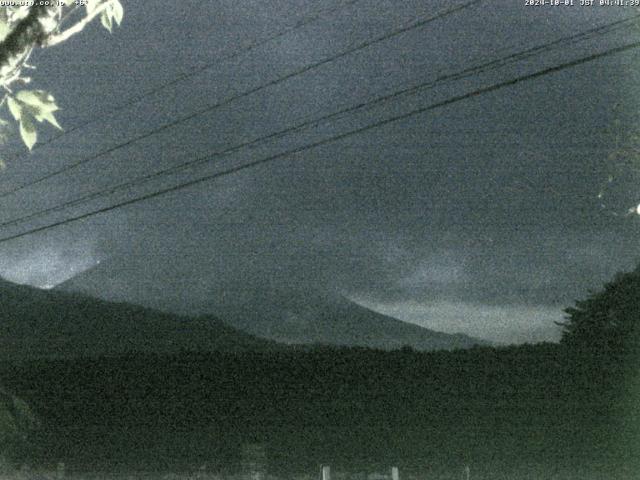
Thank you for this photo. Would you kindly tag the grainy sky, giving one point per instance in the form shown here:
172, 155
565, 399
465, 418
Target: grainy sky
480, 217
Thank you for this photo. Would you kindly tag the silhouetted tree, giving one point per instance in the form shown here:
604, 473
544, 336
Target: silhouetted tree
607, 321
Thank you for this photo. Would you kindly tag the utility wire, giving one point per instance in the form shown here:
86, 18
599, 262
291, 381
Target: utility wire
246, 93
133, 100
302, 23
332, 139
443, 79
561, 42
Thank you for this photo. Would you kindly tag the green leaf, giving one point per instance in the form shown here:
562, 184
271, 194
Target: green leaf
15, 108
29, 105
4, 30
28, 132
49, 117
105, 19
38, 99
117, 11
91, 5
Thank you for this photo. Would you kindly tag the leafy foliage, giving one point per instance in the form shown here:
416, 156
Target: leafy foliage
112, 13
24, 27
30, 105
607, 322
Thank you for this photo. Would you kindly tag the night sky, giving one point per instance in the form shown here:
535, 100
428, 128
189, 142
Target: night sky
479, 217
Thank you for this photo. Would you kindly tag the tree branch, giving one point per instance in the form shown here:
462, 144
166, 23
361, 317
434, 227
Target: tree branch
62, 36
28, 33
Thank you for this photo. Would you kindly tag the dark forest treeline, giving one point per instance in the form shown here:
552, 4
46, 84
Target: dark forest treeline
546, 406
567, 410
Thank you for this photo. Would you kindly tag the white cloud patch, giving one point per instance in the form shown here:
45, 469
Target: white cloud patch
504, 324
47, 267
441, 269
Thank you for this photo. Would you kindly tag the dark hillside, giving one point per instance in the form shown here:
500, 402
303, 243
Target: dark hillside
501, 410
42, 323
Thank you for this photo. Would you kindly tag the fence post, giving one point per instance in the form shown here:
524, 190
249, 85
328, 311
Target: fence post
326, 472
254, 461
60, 470
395, 473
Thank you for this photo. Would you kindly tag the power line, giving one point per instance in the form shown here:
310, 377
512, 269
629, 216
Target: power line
561, 42
335, 138
196, 71
442, 79
246, 93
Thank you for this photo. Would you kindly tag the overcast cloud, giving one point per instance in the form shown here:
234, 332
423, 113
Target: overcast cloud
481, 217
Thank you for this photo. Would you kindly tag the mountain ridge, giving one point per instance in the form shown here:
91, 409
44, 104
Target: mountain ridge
298, 318
37, 323
294, 317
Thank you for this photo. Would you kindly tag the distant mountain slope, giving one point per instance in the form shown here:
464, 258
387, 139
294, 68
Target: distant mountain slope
302, 317
47, 323
332, 319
